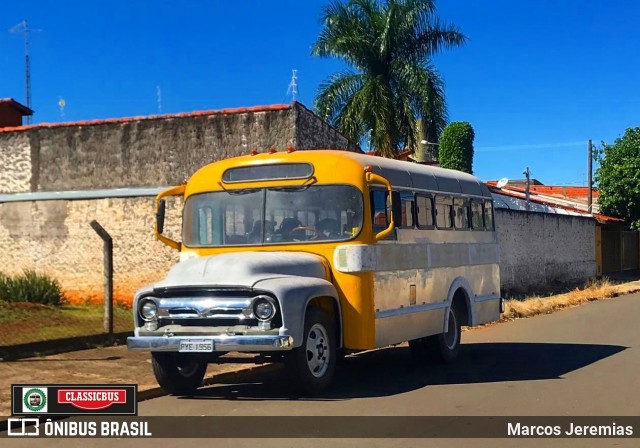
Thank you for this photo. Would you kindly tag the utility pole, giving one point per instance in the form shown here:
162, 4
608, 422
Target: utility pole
527, 174
590, 178
23, 27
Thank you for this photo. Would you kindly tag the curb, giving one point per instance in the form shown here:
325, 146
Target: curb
57, 346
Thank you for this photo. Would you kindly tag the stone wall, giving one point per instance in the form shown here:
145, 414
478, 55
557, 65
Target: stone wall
15, 163
537, 250
151, 151
54, 237
314, 133
540, 250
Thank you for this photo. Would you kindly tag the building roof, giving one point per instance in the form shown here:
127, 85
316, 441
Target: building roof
239, 110
24, 110
514, 198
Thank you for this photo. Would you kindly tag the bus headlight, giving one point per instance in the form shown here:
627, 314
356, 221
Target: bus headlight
148, 309
264, 308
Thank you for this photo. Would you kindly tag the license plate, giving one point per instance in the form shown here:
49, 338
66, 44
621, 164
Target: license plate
195, 346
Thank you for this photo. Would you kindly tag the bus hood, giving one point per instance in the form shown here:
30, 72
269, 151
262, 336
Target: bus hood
243, 269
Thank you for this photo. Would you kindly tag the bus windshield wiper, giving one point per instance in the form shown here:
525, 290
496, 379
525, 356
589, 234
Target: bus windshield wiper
239, 192
292, 188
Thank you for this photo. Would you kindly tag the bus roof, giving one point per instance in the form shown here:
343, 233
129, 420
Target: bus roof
399, 173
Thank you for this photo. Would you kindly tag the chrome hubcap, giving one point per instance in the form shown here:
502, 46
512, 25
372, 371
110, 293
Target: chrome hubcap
451, 336
317, 350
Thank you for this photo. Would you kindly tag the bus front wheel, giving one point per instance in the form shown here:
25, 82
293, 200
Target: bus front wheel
176, 373
313, 363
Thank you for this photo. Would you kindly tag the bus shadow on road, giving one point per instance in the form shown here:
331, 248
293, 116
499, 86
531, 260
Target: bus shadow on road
392, 371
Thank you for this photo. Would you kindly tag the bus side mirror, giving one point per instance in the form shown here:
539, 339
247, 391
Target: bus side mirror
375, 178
396, 208
162, 205
160, 210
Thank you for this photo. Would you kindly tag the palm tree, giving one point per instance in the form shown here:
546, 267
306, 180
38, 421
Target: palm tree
392, 83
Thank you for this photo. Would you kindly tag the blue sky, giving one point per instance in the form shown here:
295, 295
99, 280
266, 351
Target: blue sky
537, 79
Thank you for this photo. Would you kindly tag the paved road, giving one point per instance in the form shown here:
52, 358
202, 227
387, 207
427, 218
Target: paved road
583, 361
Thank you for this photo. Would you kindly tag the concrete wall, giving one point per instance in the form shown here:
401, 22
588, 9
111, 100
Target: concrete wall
15, 163
150, 151
538, 250
54, 237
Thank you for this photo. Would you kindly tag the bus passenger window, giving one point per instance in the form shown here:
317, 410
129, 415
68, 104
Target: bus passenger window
488, 215
379, 210
424, 210
477, 215
444, 209
461, 207
406, 199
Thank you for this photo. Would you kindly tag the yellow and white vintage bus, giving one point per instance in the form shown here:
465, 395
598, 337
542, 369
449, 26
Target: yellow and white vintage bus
314, 254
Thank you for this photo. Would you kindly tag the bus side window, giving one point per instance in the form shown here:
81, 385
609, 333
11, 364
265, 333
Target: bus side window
488, 215
444, 212
461, 207
406, 201
381, 211
424, 211
477, 215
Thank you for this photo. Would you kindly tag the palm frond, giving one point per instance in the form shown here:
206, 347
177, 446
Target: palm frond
394, 84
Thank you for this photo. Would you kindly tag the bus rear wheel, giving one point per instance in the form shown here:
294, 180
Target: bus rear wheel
444, 347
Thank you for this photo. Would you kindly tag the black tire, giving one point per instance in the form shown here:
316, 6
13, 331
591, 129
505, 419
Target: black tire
313, 364
178, 374
443, 347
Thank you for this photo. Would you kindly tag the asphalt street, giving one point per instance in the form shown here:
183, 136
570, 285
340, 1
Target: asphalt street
583, 361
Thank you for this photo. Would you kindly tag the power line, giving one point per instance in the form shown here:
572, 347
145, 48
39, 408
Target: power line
529, 146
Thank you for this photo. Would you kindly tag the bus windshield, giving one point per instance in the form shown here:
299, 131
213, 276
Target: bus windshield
261, 216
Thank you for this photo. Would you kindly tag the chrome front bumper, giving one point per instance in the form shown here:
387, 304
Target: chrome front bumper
222, 343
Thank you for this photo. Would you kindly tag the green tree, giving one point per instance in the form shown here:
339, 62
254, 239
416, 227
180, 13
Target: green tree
392, 82
456, 147
618, 177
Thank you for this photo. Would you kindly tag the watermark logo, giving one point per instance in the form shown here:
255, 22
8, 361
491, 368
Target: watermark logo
92, 399
34, 399
23, 427
73, 399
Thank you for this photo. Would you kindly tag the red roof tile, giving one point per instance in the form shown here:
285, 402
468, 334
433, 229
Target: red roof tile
239, 110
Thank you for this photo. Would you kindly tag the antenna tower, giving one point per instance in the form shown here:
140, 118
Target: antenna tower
23, 27
293, 85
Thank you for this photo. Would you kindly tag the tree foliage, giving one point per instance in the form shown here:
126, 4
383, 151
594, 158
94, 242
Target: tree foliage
456, 147
392, 82
618, 178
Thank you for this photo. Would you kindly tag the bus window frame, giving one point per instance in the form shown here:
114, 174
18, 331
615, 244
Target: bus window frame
451, 211
484, 224
493, 215
466, 201
413, 208
430, 197
393, 236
